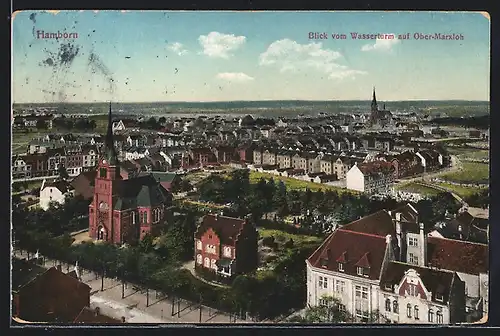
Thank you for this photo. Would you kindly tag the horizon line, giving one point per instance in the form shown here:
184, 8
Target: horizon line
263, 100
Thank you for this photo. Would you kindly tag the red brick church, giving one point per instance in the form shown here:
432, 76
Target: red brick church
124, 211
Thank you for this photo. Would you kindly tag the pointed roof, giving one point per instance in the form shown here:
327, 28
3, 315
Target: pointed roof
109, 147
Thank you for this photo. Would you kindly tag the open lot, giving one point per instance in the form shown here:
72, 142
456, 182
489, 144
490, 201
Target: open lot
413, 187
292, 183
459, 190
470, 172
470, 153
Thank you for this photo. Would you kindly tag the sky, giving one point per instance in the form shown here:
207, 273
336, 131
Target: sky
146, 56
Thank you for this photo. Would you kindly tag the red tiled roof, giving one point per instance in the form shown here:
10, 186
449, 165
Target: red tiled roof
457, 256
375, 167
227, 228
379, 223
435, 281
353, 247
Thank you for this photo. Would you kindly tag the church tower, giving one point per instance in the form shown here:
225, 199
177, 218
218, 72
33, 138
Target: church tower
101, 224
374, 108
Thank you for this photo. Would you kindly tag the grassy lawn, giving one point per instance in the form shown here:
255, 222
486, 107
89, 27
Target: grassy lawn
459, 190
470, 173
282, 236
470, 153
292, 183
418, 189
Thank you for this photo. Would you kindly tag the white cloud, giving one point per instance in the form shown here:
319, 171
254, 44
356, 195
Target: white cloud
216, 44
381, 44
289, 55
234, 77
178, 48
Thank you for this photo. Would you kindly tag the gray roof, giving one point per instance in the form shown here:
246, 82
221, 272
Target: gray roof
140, 191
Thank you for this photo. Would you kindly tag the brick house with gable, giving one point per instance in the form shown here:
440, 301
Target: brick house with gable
411, 294
225, 246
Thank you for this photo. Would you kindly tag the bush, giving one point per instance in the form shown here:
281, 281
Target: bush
289, 243
268, 241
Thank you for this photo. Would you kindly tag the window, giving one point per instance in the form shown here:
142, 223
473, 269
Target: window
342, 307
388, 305
408, 310
413, 242
439, 297
102, 172
213, 264
199, 259
323, 282
227, 252
411, 290
395, 307
431, 315
360, 271
439, 317
339, 286
199, 245
341, 267
207, 262
415, 311
413, 259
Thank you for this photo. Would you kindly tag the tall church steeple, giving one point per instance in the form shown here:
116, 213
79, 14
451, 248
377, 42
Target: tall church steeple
374, 101
109, 147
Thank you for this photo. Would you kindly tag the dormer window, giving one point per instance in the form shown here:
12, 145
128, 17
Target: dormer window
361, 271
341, 267
439, 297
388, 287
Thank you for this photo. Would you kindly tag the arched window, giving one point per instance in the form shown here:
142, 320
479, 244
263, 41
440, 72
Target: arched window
415, 309
207, 262
213, 264
431, 315
133, 217
395, 306
408, 310
388, 305
439, 317
199, 259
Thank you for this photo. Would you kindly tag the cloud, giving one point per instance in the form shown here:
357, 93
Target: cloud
381, 44
290, 56
239, 77
178, 48
220, 45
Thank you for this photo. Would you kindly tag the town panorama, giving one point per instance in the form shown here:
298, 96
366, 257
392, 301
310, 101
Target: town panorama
246, 208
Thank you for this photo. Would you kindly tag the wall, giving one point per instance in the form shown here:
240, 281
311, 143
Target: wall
47, 193
471, 284
355, 179
209, 238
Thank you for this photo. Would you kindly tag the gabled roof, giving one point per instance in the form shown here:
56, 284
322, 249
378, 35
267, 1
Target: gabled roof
140, 191
379, 223
375, 168
61, 185
227, 228
352, 249
24, 272
435, 281
457, 256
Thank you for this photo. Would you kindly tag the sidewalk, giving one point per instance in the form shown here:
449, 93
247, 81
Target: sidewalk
133, 305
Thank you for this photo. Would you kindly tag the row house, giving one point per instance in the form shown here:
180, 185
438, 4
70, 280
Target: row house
343, 164
36, 165
56, 159
134, 153
242, 134
245, 152
227, 136
41, 146
430, 159
269, 157
74, 160
136, 140
201, 156
327, 164
378, 142
370, 266
169, 140
211, 136
406, 164
313, 162
374, 177
20, 167
225, 246
224, 154
284, 158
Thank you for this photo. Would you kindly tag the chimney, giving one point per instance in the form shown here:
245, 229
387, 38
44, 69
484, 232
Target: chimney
123, 319
59, 268
97, 311
398, 216
423, 246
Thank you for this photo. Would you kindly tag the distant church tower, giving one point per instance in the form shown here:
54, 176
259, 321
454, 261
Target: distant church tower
101, 222
374, 108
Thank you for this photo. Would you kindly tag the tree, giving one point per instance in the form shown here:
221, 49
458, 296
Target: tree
63, 173
329, 312
41, 124
162, 120
152, 123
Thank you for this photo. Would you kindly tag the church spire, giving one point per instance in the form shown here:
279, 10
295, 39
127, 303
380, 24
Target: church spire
374, 101
109, 146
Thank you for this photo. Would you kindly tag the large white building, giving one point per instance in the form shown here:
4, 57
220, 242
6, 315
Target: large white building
375, 177
56, 192
384, 265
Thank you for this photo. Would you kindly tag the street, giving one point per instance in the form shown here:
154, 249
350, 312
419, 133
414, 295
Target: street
133, 306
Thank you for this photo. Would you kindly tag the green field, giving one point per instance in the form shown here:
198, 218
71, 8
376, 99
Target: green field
459, 190
471, 172
470, 153
417, 188
292, 183
282, 236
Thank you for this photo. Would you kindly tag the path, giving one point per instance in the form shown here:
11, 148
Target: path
134, 305
190, 267
440, 188
455, 165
